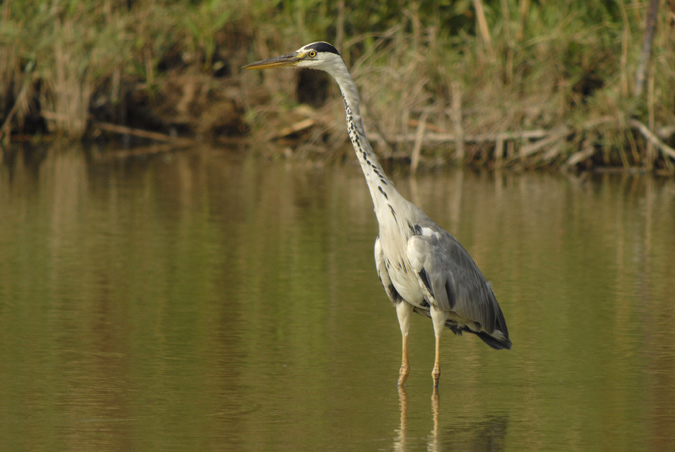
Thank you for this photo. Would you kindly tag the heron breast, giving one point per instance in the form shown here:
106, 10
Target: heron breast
406, 284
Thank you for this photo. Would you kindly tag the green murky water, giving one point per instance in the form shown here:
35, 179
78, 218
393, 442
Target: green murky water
200, 301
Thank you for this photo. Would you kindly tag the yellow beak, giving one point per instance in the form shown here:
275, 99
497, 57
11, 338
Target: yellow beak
290, 60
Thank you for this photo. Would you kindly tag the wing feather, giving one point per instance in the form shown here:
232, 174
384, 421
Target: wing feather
383, 273
448, 275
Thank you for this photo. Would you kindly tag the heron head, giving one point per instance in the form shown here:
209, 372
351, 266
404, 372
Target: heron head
317, 55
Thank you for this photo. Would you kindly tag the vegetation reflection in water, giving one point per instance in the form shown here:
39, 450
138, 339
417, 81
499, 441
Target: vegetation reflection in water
200, 301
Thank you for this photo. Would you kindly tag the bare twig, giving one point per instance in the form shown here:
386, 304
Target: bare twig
652, 138
440, 138
456, 115
482, 25
142, 133
587, 151
419, 138
554, 135
20, 99
646, 47
124, 130
296, 128
499, 153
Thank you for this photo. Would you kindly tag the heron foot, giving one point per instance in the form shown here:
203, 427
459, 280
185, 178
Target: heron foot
436, 375
403, 375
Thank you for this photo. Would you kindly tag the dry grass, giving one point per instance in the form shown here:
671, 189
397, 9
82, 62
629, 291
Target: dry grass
533, 91
497, 83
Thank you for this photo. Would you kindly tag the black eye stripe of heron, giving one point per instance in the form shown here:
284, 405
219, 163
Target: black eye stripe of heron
423, 268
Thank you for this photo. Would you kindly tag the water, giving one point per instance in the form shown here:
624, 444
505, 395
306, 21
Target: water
208, 300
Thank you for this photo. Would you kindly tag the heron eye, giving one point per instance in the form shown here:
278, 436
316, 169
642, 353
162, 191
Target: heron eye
312, 53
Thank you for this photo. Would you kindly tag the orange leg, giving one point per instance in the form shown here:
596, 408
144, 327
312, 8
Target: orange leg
438, 318
403, 311
436, 373
405, 365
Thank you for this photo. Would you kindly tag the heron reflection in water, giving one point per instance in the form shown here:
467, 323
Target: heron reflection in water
486, 431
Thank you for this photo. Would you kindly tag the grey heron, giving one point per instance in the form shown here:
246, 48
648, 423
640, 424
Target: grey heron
422, 267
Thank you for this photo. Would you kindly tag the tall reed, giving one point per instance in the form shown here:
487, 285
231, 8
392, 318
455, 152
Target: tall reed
496, 72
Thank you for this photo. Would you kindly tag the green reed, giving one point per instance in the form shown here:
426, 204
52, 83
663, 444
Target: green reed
483, 72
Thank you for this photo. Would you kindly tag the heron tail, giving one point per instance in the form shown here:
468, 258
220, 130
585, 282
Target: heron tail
494, 342
499, 339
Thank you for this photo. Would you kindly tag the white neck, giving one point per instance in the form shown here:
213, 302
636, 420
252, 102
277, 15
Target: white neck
381, 188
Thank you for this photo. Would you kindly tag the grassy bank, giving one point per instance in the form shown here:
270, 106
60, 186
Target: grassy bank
497, 83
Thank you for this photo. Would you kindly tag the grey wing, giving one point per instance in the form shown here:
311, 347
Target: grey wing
381, 266
447, 273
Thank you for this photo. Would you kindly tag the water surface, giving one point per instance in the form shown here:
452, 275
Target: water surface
210, 300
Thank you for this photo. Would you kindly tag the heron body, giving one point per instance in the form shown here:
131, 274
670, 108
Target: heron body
423, 268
